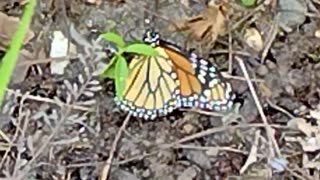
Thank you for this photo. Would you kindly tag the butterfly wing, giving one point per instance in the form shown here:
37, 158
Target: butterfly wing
151, 87
200, 83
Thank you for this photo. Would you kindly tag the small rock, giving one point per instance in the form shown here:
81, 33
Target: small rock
262, 70
123, 175
188, 174
188, 128
271, 65
200, 158
292, 13
146, 173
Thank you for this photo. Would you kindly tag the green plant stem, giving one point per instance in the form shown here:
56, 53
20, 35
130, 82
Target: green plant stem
9, 60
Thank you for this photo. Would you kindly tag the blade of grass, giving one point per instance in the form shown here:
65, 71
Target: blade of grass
9, 60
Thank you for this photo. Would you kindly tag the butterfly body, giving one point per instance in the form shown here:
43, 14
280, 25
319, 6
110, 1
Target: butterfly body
158, 85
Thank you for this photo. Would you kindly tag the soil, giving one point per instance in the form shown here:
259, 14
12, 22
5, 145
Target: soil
65, 126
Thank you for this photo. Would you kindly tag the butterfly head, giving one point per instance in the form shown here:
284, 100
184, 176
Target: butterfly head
151, 37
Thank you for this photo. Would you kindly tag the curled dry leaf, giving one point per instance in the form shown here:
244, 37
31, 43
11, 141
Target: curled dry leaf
8, 26
253, 39
311, 142
204, 27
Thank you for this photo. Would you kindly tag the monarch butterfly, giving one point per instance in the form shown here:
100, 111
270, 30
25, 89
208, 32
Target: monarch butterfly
158, 85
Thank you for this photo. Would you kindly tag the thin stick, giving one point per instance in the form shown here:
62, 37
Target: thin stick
244, 19
280, 109
51, 101
230, 54
216, 130
271, 140
107, 166
225, 51
272, 36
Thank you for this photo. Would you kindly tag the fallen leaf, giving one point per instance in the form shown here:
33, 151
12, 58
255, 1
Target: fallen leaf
311, 142
204, 27
59, 48
19, 73
312, 164
8, 26
254, 39
252, 158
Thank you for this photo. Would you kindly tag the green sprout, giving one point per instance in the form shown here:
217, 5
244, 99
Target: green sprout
118, 69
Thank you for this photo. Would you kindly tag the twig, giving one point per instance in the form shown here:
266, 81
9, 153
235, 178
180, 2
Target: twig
45, 60
271, 140
242, 20
225, 51
105, 170
47, 100
230, 54
209, 113
270, 39
216, 130
280, 109
207, 148
252, 158
226, 75
298, 176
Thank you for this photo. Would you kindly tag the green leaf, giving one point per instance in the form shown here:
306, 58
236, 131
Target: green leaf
121, 73
248, 2
141, 48
109, 72
114, 37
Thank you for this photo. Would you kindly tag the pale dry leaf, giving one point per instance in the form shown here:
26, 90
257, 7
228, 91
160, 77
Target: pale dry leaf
315, 114
317, 33
311, 142
203, 27
302, 125
94, 2
186, 3
254, 39
253, 153
310, 164
59, 48
8, 26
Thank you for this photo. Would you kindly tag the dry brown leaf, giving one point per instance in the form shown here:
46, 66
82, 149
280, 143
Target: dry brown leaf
254, 39
20, 72
204, 27
8, 26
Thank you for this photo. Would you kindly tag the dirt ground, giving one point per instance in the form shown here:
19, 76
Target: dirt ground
66, 125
